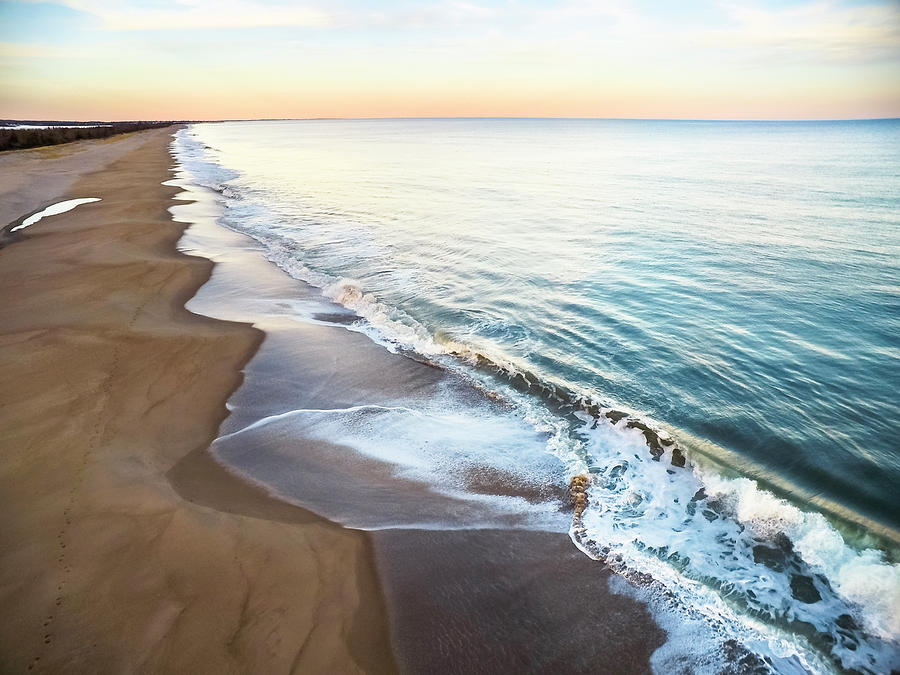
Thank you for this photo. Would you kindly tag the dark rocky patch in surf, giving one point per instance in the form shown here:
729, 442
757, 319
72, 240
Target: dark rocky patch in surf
615, 416
340, 318
804, 590
566, 403
653, 440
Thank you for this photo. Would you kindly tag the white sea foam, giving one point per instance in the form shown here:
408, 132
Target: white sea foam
394, 328
443, 443
54, 210
694, 530
706, 638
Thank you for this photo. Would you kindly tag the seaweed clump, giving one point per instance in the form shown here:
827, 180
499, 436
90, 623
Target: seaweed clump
615, 416
654, 441
578, 492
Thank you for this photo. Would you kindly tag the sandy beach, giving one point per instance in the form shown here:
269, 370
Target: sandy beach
127, 547
108, 382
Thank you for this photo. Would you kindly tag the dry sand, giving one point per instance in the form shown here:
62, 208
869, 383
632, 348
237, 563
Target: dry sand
108, 382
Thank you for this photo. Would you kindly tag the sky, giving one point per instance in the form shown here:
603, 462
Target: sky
238, 59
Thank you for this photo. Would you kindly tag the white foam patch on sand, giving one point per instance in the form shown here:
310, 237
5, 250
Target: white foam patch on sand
53, 210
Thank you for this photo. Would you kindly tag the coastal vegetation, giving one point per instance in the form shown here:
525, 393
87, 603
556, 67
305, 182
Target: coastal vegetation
36, 134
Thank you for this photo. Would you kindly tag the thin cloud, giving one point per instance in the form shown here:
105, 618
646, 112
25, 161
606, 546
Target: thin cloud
819, 31
201, 14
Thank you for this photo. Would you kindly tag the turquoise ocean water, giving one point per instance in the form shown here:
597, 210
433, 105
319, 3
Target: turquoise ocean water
735, 285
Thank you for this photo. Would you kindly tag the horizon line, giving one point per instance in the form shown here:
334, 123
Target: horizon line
467, 117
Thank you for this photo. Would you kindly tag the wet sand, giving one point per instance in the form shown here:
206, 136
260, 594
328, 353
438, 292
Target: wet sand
106, 565
488, 601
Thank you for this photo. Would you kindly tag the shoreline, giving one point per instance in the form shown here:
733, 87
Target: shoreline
129, 544
473, 582
104, 565
315, 395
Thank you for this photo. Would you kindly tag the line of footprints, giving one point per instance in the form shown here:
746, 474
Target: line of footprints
65, 568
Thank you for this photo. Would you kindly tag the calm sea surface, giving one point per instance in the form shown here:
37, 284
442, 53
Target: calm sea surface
737, 284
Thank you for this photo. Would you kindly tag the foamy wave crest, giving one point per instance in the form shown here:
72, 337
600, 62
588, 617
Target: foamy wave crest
864, 579
198, 160
739, 555
392, 325
386, 324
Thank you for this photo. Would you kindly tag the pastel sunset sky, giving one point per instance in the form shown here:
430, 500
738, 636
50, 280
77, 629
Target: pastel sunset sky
226, 59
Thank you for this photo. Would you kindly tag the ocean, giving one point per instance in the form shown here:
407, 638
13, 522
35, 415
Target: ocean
702, 317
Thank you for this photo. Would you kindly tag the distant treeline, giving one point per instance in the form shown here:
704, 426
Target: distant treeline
18, 139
